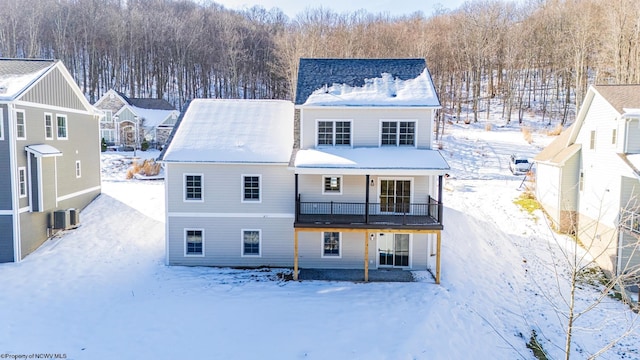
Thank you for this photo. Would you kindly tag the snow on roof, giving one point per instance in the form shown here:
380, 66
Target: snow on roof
361, 160
152, 117
43, 150
12, 84
233, 131
382, 91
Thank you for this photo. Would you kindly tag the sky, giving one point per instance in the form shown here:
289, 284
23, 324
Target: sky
393, 7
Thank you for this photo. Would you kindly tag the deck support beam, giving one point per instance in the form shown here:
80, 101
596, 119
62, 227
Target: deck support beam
295, 254
438, 247
366, 256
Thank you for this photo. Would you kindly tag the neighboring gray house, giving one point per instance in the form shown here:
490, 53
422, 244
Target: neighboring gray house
588, 179
362, 187
49, 156
127, 122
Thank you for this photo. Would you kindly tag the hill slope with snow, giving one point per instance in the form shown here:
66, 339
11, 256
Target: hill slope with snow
103, 292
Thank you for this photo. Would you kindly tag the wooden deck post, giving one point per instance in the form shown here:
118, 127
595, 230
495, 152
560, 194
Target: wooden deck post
295, 254
366, 256
438, 246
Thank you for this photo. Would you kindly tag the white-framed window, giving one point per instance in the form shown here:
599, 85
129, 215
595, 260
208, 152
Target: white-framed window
108, 116
592, 140
22, 182
109, 135
251, 188
333, 133
397, 133
614, 136
78, 169
331, 245
193, 242
251, 242
61, 121
332, 185
21, 126
48, 126
193, 186
581, 181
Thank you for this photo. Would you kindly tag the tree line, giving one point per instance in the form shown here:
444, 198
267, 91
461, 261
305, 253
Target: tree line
539, 55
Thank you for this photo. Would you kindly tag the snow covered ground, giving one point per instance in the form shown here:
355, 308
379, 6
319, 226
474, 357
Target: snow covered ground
103, 292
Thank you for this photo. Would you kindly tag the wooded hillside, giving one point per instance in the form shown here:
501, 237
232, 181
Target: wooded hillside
541, 55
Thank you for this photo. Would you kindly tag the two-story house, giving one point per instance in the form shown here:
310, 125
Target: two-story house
229, 199
588, 179
368, 185
127, 122
362, 188
49, 154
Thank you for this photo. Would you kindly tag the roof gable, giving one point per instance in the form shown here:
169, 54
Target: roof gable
620, 96
16, 75
351, 80
232, 131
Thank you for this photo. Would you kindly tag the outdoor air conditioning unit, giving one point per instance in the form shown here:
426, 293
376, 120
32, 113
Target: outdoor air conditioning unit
61, 219
74, 217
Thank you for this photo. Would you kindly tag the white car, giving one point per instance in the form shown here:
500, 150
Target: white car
519, 165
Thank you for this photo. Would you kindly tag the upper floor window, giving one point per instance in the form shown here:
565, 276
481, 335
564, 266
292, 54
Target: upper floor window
614, 136
251, 188
22, 182
192, 187
21, 128
334, 133
592, 140
62, 126
107, 118
78, 169
398, 133
48, 126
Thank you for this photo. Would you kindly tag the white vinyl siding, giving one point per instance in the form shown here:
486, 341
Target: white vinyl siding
61, 121
21, 126
223, 189
365, 128
48, 126
225, 247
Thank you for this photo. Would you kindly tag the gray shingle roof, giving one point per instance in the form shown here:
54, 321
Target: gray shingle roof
23, 66
313, 74
145, 103
620, 96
